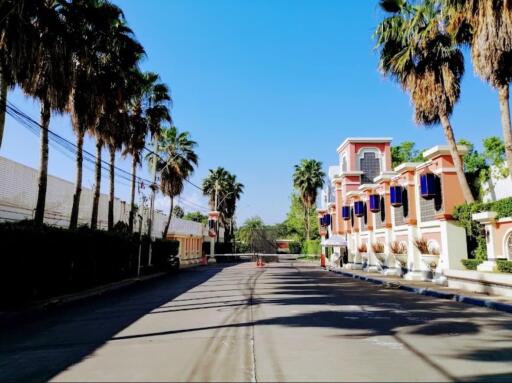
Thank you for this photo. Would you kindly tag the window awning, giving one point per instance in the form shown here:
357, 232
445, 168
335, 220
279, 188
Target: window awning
334, 241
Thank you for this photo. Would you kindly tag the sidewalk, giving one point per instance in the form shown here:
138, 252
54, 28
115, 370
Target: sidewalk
495, 302
38, 306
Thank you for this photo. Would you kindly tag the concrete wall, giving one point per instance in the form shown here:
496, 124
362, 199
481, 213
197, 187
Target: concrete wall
18, 196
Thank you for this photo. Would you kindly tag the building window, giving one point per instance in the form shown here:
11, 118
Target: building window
344, 166
369, 164
430, 207
382, 210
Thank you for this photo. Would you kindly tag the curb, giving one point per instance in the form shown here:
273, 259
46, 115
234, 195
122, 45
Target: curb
498, 306
38, 306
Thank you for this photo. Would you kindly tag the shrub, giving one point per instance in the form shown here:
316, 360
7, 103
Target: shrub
295, 247
471, 264
311, 247
48, 261
504, 266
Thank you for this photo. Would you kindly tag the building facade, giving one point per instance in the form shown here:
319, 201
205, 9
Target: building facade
397, 221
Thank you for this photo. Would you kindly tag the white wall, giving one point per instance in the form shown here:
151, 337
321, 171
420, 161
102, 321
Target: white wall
18, 197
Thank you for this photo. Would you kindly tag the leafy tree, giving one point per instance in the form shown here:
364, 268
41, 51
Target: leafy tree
405, 152
307, 179
196, 216
417, 52
178, 212
295, 225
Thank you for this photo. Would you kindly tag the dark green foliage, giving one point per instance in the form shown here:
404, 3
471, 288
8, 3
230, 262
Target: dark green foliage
405, 152
196, 216
471, 264
49, 261
311, 247
474, 231
504, 266
295, 247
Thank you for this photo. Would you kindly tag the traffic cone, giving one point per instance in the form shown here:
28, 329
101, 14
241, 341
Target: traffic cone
258, 263
322, 261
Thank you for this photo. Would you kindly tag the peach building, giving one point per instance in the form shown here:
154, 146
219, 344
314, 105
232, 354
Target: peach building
394, 221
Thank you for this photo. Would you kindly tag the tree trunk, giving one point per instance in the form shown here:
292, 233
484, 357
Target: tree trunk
43, 165
166, 229
308, 234
132, 198
3, 104
73, 222
505, 124
457, 162
96, 199
112, 186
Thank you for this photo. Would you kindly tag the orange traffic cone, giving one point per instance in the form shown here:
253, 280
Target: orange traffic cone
258, 263
322, 261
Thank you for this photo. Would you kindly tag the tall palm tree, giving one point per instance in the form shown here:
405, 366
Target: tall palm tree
233, 194
416, 51
38, 60
308, 177
105, 51
179, 160
215, 185
486, 25
149, 108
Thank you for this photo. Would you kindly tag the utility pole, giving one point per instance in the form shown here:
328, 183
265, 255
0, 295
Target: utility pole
153, 194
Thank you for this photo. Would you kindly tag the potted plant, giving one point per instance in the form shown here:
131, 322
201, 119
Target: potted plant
363, 250
399, 251
378, 249
429, 254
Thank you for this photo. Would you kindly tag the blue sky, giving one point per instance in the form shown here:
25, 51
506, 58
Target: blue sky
263, 84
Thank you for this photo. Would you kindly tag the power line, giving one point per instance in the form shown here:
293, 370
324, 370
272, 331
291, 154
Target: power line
69, 149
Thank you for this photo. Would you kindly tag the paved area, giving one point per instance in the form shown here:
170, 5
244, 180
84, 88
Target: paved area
284, 322
427, 285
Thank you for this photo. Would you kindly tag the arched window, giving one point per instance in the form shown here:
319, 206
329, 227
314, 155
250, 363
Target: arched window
365, 214
369, 164
382, 210
352, 216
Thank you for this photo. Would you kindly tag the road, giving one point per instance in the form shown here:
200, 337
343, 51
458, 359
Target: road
283, 322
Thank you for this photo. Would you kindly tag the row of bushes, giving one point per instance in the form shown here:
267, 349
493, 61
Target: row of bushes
39, 262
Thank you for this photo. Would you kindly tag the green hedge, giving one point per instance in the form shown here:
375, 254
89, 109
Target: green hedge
48, 261
504, 266
475, 237
311, 247
471, 264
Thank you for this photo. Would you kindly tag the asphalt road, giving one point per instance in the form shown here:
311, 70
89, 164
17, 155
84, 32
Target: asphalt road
284, 322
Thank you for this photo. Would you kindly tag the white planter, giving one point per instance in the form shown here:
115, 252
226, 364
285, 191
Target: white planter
401, 258
381, 257
430, 260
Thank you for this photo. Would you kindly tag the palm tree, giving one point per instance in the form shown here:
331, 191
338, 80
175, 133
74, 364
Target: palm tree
38, 60
214, 186
486, 25
308, 177
105, 52
179, 160
148, 110
233, 194
416, 51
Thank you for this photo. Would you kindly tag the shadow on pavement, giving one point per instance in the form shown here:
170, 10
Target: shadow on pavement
50, 342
